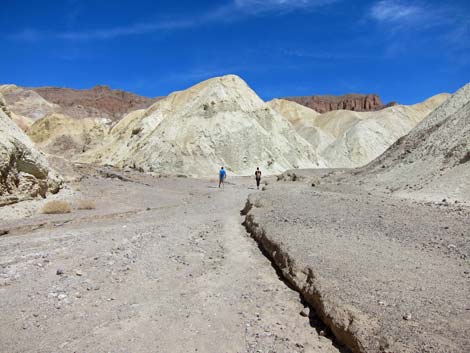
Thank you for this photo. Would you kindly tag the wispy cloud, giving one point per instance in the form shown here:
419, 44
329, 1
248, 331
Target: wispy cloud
102, 33
133, 29
396, 15
232, 11
415, 24
392, 11
325, 55
259, 6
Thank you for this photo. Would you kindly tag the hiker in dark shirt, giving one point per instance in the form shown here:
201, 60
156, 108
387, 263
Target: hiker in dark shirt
258, 177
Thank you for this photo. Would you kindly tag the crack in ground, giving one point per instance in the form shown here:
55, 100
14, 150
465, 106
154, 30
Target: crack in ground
275, 257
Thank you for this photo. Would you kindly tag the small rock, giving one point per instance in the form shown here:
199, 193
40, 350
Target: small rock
407, 317
322, 333
78, 273
61, 296
35, 314
305, 312
59, 272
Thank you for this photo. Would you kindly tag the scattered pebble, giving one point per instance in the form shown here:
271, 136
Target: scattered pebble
305, 312
59, 272
407, 317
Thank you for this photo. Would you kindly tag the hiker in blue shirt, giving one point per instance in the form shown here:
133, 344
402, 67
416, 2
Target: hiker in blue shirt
222, 176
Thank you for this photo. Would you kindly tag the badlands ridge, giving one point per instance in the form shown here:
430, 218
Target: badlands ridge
218, 122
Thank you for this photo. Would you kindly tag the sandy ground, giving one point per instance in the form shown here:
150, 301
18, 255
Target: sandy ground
161, 265
386, 274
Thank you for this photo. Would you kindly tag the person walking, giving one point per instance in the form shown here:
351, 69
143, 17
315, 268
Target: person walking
258, 177
222, 176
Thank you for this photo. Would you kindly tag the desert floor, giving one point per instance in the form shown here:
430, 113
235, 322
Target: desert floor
160, 265
164, 264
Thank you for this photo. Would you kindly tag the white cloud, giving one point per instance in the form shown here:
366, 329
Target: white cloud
395, 11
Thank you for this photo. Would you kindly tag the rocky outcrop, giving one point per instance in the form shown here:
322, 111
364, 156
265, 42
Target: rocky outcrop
24, 172
98, 102
355, 102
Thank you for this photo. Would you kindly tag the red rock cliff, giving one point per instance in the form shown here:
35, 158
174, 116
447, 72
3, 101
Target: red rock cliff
356, 102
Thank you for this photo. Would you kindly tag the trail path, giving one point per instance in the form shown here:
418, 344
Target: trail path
164, 266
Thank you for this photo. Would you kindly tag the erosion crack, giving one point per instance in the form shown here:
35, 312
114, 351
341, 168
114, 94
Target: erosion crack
285, 269
303, 281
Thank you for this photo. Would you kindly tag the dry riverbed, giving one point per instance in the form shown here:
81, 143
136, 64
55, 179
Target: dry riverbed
160, 265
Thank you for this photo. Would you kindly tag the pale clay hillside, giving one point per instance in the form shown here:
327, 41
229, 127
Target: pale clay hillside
64, 136
432, 161
26, 106
347, 139
223, 122
220, 121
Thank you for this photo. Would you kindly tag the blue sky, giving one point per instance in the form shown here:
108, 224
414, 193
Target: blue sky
402, 50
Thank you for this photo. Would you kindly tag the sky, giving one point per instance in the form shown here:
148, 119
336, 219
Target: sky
405, 51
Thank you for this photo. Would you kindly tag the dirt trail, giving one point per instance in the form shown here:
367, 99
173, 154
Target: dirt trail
185, 278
